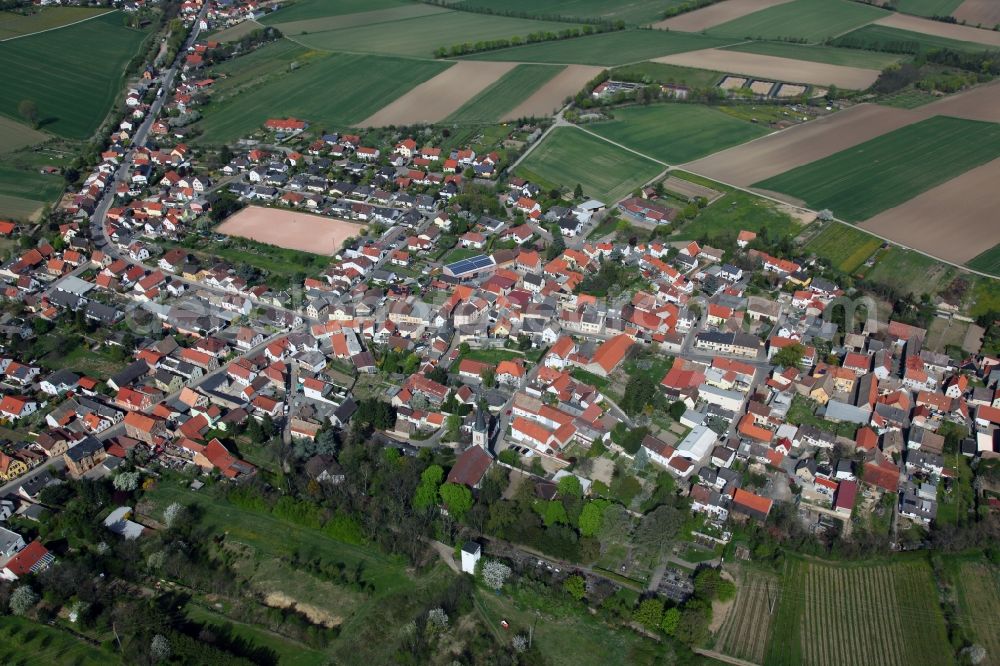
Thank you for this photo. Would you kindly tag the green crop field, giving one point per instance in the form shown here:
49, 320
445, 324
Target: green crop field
13, 24
884, 38
342, 21
659, 72
890, 612
988, 261
676, 133
607, 49
633, 12
888, 170
504, 94
845, 247
720, 222
568, 156
421, 35
331, 90
825, 54
812, 20
83, 62
302, 10
928, 7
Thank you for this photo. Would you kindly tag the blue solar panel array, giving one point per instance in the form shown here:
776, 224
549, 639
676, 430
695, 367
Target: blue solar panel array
470, 264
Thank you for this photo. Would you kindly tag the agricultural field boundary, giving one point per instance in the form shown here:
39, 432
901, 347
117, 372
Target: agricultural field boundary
58, 27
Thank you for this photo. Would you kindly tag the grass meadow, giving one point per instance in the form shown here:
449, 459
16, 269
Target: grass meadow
886, 171
504, 94
812, 20
676, 133
73, 74
568, 156
988, 261
607, 49
846, 248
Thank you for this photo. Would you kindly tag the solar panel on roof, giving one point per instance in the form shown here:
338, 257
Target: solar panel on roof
470, 264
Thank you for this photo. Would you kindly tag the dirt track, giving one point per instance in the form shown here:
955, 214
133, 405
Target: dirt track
290, 229
979, 12
954, 221
776, 153
939, 29
774, 68
717, 14
549, 98
436, 99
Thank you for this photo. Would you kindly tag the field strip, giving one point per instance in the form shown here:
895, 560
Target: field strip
775, 68
976, 12
439, 97
786, 149
955, 220
939, 29
550, 97
340, 21
979, 103
237, 31
58, 27
717, 14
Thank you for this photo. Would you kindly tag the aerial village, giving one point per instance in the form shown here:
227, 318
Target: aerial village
466, 309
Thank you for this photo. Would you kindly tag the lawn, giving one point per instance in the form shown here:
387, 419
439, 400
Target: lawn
886, 171
889, 610
927, 7
13, 24
884, 38
329, 90
493, 356
660, 72
99, 364
720, 222
812, 20
631, 11
568, 156
504, 94
676, 133
988, 261
287, 651
86, 61
607, 49
830, 55
302, 10
421, 35
845, 247
31, 644
459, 253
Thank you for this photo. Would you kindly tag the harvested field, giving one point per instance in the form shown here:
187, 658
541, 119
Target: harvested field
289, 229
717, 14
688, 190
801, 144
860, 182
939, 29
979, 12
771, 67
354, 20
550, 96
441, 96
980, 103
955, 220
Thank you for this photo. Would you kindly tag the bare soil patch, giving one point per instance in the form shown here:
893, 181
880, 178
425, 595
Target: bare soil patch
950, 30
979, 12
290, 229
442, 95
954, 221
778, 152
761, 87
689, 190
772, 67
733, 83
790, 90
717, 14
550, 97
315, 615
980, 103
